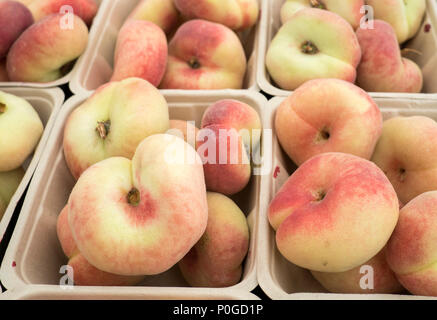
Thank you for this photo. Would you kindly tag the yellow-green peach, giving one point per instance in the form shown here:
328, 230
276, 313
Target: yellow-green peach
113, 122
404, 16
20, 131
307, 47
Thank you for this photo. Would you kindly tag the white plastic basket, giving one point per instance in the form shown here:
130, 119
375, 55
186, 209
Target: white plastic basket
279, 278
121, 293
425, 42
96, 65
34, 256
65, 79
47, 103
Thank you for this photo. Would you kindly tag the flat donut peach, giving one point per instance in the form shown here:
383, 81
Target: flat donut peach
140, 217
328, 115
334, 213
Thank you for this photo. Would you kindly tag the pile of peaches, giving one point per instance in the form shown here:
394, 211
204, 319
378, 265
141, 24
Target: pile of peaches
152, 193
180, 44
185, 44
38, 41
364, 194
356, 41
20, 123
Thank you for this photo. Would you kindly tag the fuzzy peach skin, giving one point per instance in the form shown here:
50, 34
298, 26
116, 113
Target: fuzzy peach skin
9, 182
235, 14
328, 115
307, 47
349, 9
404, 16
407, 153
3, 72
25, 2
113, 122
85, 9
205, 55
84, 274
412, 249
20, 131
216, 260
42, 50
334, 213
238, 115
14, 19
161, 12
226, 162
141, 51
140, 217
185, 130
382, 68
243, 125
383, 279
